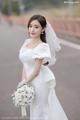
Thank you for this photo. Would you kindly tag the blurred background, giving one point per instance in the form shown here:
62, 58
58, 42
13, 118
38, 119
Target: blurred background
64, 16
64, 13
56, 7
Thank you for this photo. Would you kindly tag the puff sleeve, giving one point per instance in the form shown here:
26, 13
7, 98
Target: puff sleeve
42, 51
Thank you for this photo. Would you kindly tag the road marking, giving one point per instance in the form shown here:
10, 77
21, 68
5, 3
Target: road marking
70, 44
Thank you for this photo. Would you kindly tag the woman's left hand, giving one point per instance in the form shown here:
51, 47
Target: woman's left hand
22, 83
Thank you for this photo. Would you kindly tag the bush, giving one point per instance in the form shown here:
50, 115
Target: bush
13, 8
5, 9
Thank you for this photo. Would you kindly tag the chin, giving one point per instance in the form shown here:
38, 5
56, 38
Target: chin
33, 36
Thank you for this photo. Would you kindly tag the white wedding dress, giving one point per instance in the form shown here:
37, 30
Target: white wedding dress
46, 105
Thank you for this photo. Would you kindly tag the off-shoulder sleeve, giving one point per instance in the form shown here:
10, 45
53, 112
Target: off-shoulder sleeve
42, 51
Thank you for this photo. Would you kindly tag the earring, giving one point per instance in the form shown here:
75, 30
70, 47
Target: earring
42, 32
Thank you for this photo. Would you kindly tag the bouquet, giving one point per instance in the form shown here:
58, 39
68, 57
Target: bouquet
23, 96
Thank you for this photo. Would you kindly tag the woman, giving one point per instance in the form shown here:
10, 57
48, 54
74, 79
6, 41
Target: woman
36, 55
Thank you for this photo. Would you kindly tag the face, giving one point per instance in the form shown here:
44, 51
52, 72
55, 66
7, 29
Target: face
35, 29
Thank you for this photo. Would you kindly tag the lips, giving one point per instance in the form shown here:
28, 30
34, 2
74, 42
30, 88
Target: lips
32, 33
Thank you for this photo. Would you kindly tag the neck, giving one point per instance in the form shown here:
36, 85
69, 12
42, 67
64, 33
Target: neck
36, 40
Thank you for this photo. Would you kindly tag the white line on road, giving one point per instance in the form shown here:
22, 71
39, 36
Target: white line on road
70, 44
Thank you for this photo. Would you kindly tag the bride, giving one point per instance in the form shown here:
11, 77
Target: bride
36, 54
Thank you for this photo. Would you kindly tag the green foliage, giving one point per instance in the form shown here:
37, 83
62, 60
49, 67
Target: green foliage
15, 8
41, 3
10, 8
5, 8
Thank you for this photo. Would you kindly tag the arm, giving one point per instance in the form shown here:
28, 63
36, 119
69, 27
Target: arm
24, 76
38, 63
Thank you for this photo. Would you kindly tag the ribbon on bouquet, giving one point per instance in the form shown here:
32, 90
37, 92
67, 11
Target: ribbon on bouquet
23, 111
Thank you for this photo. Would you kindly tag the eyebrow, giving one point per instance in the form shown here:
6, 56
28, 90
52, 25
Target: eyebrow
35, 25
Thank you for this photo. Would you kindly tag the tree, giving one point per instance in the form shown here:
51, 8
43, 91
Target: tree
10, 7
5, 8
15, 8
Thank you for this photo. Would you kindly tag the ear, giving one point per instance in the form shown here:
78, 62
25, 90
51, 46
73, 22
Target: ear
43, 30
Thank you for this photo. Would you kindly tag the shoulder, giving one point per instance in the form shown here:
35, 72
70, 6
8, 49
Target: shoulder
43, 47
27, 40
45, 44
42, 51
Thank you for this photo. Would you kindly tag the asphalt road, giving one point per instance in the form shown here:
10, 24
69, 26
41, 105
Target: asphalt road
66, 70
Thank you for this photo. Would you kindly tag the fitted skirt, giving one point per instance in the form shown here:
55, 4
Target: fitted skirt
46, 105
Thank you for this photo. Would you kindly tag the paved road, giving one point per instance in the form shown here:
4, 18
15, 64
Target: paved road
66, 70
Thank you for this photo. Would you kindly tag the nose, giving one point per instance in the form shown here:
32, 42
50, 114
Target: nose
32, 29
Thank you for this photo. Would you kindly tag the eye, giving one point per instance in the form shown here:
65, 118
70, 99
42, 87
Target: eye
36, 27
30, 26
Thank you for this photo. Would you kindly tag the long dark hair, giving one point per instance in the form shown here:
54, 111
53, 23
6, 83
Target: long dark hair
41, 19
